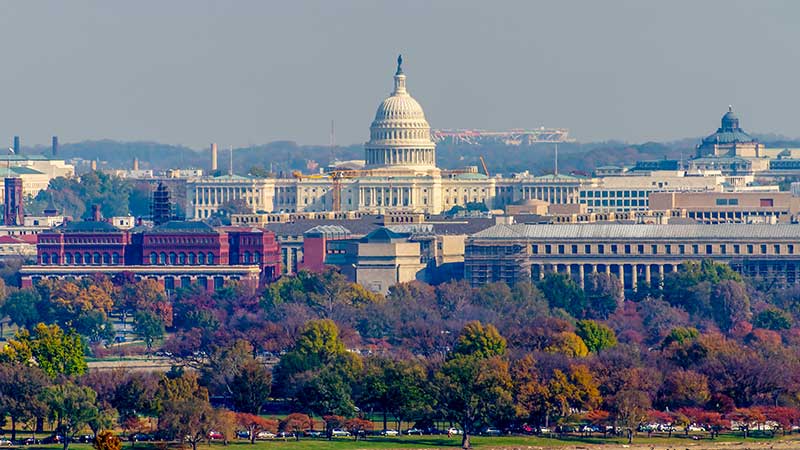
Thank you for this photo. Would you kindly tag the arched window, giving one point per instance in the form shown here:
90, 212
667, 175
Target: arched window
210, 258
153, 258
106, 259
192, 259
54, 258
115, 258
162, 258
78, 259
96, 258
257, 257
45, 258
246, 258
182, 258
173, 258
87, 258
201, 258
67, 258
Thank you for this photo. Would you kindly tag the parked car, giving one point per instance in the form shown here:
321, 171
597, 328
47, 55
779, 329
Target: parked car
54, 439
5, 442
215, 436
285, 434
544, 430
313, 433
140, 437
264, 435
389, 433
491, 431
415, 430
31, 441
336, 432
243, 434
84, 439
452, 430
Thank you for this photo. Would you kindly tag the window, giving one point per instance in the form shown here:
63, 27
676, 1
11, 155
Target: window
115, 258
766, 202
67, 258
162, 258
654, 249
723, 249
192, 259
574, 249
777, 249
709, 249
246, 258
535, 249
627, 249
106, 259
695, 249
560, 249
182, 258
54, 258
45, 258
601, 249
763, 249
736, 248
640, 249
750, 249
668, 249
153, 258
587, 249
96, 258
256, 257
548, 249
210, 258
201, 258
78, 259
682, 249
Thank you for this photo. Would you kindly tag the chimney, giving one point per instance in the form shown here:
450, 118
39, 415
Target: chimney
13, 213
93, 165
96, 215
135, 164
16, 145
55, 146
214, 157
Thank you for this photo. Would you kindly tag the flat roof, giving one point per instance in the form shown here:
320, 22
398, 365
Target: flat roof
617, 232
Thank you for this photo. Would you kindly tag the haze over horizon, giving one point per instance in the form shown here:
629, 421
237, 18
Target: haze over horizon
193, 71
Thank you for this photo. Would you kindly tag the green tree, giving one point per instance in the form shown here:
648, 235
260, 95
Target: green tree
480, 341
22, 307
72, 406
603, 295
473, 391
595, 335
251, 387
319, 344
149, 327
50, 348
561, 291
731, 304
773, 319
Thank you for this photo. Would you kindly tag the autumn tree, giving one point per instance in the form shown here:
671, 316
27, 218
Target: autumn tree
297, 423
630, 408
184, 411
20, 386
603, 295
731, 304
358, 427
480, 341
54, 351
255, 424
251, 387
107, 440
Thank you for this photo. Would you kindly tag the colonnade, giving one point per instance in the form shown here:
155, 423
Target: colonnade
552, 194
629, 274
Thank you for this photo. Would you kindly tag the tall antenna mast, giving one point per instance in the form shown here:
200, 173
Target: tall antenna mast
555, 160
230, 152
333, 141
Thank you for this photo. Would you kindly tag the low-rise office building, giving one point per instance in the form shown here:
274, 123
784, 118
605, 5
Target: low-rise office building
634, 253
730, 207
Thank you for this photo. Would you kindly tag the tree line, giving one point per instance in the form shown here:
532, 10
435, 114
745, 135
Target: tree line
707, 348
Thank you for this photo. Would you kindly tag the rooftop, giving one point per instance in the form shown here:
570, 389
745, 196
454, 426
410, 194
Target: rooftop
638, 232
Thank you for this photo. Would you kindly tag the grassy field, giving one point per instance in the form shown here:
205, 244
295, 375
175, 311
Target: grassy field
443, 442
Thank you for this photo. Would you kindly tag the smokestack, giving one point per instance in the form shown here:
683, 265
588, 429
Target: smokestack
135, 163
96, 215
55, 145
214, 157
16, 145
13, 213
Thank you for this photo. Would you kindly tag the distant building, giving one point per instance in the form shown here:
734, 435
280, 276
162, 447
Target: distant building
730, 207
730, 141
175, 253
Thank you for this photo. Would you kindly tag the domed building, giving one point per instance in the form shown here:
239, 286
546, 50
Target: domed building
400, 137
730, 140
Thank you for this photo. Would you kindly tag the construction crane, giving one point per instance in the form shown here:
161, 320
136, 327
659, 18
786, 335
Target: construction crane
483, 163
336, 177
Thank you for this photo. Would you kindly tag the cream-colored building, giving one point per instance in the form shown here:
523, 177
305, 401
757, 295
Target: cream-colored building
400, 174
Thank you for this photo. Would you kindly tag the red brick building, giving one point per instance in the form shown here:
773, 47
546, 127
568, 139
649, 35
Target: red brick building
176, 253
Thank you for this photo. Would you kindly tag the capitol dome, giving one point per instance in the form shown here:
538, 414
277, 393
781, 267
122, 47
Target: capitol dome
400, 136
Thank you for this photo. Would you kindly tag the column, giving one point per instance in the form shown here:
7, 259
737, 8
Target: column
608, 269
634, 276
541, 271
622, 276
582, 276
647, 274
661, 275
594, 268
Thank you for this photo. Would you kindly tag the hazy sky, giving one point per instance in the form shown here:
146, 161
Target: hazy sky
248, 72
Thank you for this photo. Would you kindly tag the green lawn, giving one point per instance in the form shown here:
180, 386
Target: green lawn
432, 442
